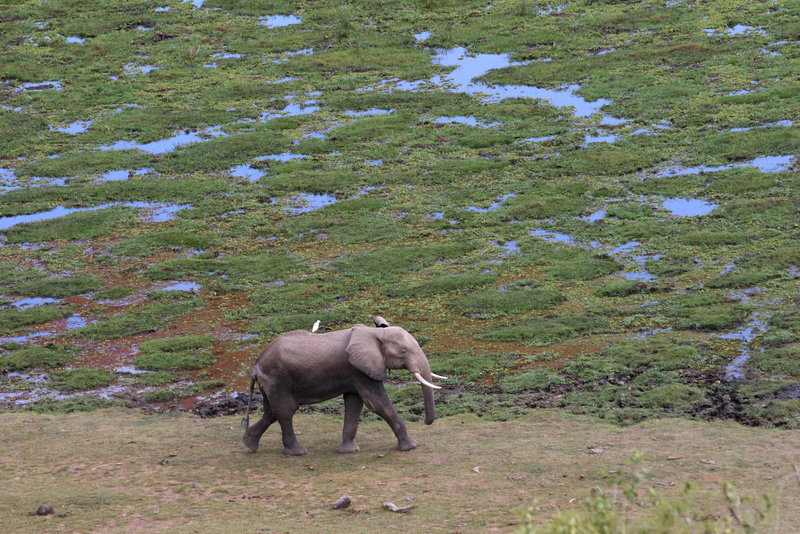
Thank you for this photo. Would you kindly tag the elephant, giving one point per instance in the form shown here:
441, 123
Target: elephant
301, 367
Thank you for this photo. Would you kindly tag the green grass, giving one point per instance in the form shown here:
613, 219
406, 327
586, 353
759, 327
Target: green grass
153, 242
59, 287
174, 353
12, 319
176, 344
16, 357
81, 379
547, 330
81, 225
514, 300
149, 318
438, 284
173, 361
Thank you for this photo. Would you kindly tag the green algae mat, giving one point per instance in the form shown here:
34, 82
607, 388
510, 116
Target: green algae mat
588, 205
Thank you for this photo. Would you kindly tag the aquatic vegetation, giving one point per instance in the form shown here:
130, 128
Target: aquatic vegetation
557, 171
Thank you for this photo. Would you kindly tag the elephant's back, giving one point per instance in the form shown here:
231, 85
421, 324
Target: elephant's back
300, 349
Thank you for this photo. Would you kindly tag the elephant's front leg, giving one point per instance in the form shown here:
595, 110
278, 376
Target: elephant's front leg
374, 394
352, 411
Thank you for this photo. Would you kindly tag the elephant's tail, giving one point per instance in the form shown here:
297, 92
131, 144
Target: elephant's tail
246, 420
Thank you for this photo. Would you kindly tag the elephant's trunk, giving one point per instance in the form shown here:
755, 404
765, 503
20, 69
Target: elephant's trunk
424, 372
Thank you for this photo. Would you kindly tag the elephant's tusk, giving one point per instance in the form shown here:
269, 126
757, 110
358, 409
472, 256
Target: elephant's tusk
440, 377
425, 382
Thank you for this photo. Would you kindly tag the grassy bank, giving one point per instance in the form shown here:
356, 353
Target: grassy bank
120, 471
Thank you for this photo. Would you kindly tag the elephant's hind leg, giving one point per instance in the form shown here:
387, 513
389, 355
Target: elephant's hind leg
284, 407
352, 411
253, 434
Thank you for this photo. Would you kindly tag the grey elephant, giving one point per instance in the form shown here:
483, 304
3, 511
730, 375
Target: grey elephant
301, 367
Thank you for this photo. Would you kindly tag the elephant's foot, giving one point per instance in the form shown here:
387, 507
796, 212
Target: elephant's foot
251, 441
349, 447
406, 444
295, 450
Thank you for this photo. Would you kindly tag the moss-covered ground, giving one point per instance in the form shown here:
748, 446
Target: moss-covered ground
589, 206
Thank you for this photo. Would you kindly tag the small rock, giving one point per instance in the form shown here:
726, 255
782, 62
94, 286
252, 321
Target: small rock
342, 502
595, 450
44, 509
393, 508
477, 469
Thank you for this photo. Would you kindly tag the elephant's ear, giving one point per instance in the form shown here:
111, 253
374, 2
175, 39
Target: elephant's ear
366, 353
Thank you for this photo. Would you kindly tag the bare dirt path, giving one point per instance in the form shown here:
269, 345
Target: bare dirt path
123, 471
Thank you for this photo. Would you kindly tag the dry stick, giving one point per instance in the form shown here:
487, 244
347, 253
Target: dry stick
796, 471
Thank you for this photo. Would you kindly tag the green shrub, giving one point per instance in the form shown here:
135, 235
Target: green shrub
81, 379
